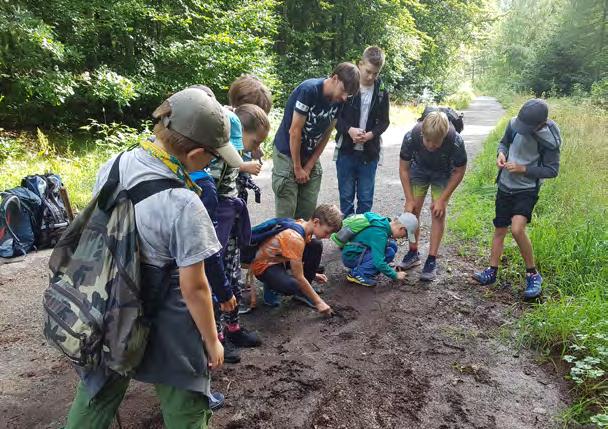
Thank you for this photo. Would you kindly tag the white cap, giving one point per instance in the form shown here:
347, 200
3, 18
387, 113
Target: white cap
410, 222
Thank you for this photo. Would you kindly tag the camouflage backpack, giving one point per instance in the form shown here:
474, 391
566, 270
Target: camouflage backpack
93, 307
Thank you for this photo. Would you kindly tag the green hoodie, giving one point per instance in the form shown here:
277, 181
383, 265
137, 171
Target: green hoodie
374, 237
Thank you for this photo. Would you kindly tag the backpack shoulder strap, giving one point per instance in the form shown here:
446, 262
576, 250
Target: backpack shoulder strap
146, 189
298, 228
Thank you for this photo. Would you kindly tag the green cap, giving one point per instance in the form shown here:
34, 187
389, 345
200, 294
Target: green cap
198, 116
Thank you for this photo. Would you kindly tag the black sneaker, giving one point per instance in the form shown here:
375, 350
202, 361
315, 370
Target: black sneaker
429, 272
243, 338
231, 352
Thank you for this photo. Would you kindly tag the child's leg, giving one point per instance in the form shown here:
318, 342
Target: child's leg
233, 273
346, 183
391, 251
498, 244
419, 195
182, 408
97, 413
366, 180
308, 194
312, 259
284, 186
518, 230
277, 278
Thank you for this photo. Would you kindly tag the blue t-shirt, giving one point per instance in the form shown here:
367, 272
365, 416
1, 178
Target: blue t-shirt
307, 99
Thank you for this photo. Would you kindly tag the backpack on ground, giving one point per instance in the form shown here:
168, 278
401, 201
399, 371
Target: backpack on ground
262, 232
93, 307
18, 208
53, 216
351, 226
456, 119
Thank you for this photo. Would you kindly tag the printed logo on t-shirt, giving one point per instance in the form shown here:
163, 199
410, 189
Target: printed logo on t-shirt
317, 122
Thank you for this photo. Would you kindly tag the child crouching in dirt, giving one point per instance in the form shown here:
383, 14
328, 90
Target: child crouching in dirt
287, 262
368, 245
527, 153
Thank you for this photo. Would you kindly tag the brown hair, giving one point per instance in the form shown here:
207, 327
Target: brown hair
348, 74
435, 126
249, 89
374, 55
253, 118
330, 215
178, 143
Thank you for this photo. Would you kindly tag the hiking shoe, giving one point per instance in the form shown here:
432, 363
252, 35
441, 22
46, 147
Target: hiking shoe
410, 260
216, 400
429, 272
360, 280
231, 352
243, 338
304, 300
244, 308
533, 286
486, 277
271, 298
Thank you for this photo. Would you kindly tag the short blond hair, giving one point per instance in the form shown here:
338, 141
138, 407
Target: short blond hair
249, 89
330, 215
374, 55
435, 126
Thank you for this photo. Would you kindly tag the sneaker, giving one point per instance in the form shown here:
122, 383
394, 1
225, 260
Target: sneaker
360, 280
429, 272
243, 338
231, 352
216, 401
304, 300
244, 308
271, 298
533, 286
410, 260
486, 277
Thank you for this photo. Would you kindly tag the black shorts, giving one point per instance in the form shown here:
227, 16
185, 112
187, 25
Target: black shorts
511, 204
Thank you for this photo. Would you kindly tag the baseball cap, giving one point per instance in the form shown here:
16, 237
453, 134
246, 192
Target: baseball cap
410, 222
198, 116
533, 113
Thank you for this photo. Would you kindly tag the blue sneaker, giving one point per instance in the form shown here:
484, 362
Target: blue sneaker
429, 272
410, 260
216, 401
533, 286
486, 277
360, 280
271, 298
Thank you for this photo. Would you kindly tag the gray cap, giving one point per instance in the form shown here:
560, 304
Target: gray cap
533, 113
198, 116
410, 222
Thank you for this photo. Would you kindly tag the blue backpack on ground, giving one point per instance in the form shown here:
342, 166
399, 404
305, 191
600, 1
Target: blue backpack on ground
262, 232
18, 209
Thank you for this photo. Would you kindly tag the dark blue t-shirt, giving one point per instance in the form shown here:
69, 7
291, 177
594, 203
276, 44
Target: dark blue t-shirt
307, 99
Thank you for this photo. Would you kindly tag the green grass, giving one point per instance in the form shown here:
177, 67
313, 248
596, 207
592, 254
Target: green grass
460, 99
570, 237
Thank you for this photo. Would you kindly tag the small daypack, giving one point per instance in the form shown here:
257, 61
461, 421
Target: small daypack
457, 119
262, 232
52, 217
18, 208
93, 307
351, 226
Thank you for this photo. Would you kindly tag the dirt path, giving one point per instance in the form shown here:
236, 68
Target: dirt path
397, 356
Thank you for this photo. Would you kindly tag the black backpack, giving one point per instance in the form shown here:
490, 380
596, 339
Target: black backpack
18, 209
454, 117
52, 217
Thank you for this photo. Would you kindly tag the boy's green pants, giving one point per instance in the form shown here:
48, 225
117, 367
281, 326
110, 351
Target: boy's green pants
292, 199
182, 409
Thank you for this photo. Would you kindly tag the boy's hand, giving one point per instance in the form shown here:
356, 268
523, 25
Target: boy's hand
401, 275
251, 167
501, 160
324, 309
229, 305
409, 206
301, 175
355, 134
321, 278
367, 137
215, 354
438, 207
515, 168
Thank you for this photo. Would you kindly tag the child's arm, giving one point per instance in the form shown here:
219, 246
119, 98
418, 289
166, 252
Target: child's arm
197, 295
320, 148
549, 167
295, 144
385, 121
297, 269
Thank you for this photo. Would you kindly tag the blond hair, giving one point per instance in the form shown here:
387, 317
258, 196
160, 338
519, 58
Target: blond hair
374, 55
330, 215
249, 89
253, 118
178, 143
435, 126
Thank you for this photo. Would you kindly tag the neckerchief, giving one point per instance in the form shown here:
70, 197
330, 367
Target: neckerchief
172, 163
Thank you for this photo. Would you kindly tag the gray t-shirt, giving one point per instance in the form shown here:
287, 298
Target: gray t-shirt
173, 225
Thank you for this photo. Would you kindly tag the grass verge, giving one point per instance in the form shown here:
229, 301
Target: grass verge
569, 232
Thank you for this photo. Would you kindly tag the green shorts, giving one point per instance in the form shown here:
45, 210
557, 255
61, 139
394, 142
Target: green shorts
421, 179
